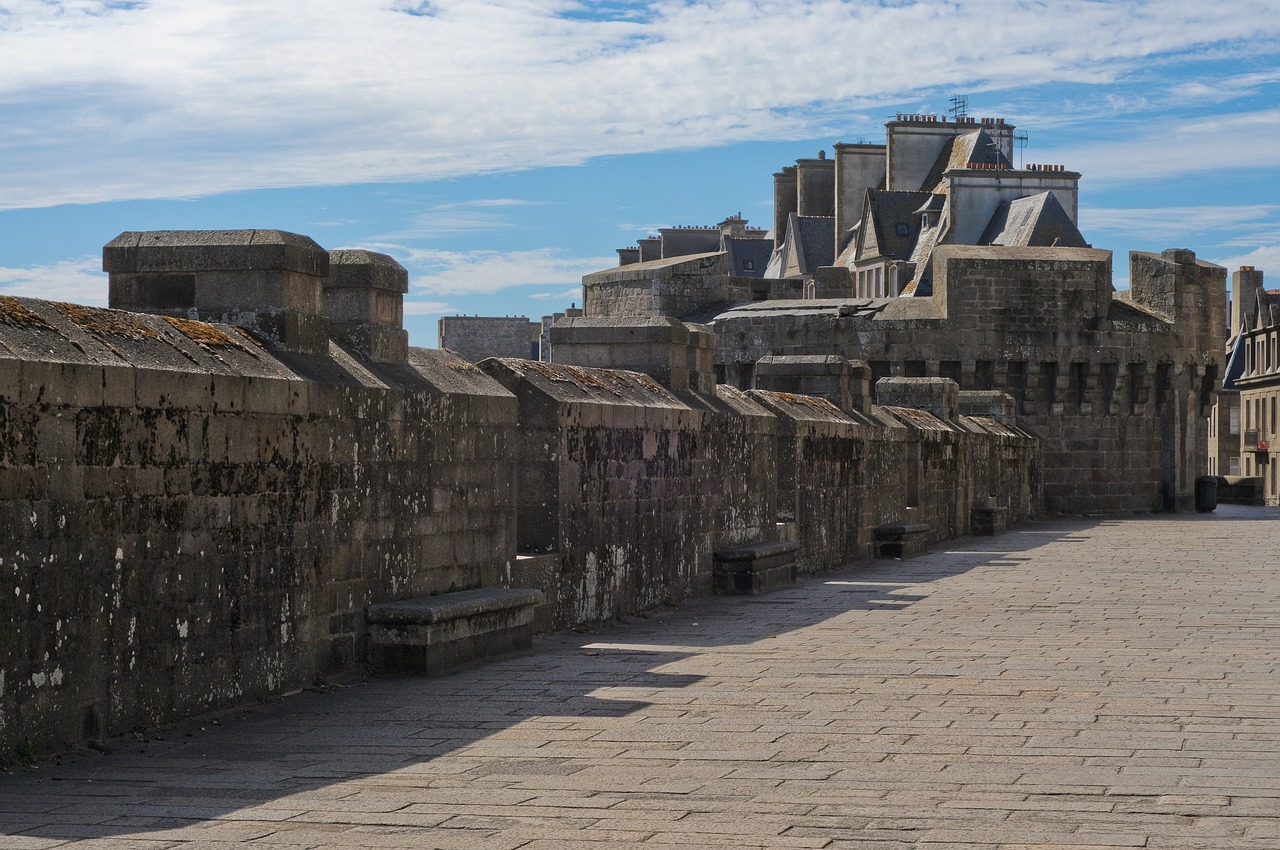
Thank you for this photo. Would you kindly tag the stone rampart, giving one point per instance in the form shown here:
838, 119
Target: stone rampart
196, 515
188, 521
1117, 385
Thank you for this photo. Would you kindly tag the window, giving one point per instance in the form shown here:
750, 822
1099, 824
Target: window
748, 265
1080, 373
901, 228
1137, 386
984, 375
1110, 376
1015, 383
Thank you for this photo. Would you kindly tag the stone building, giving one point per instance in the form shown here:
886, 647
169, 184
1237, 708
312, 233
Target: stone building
946, 261
224, 487
478, 337
881, 210
1254, 373
747, 249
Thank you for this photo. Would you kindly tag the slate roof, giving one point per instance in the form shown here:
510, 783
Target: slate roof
817, 240
740, 251
1033, 221
888, 210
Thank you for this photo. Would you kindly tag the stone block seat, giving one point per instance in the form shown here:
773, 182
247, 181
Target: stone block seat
432, 634
901, 540
989, 520
755, 568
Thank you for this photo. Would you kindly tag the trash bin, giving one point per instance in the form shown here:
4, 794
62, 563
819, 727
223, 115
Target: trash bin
1206, 493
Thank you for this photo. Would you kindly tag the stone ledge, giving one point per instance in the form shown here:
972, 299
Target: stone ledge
901, 540
755, 568
990, 520
433, 634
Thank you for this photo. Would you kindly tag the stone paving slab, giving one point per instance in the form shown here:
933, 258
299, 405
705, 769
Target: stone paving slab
1090, 683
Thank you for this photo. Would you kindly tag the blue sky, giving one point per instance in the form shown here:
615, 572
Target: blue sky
500, 150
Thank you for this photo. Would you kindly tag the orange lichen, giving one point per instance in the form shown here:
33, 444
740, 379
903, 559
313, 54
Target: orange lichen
100, 322
807, 401
462, 366
546, 370
15, 315
204, 334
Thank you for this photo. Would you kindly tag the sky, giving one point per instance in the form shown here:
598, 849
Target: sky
500, 149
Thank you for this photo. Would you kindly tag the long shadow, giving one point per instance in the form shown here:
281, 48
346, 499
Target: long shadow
247, 764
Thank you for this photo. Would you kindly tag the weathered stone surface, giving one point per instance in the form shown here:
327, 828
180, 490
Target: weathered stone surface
434, 634
756, 568
196, 515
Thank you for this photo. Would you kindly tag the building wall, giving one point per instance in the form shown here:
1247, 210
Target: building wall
626, 489
973, 198
1119, 390
180, 536
674, 287
858, 168
1260, 407
478, 337
194, 516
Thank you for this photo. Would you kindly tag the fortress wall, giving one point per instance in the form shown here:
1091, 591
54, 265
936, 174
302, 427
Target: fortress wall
178, 537
197, 515
671, 287
1118, 386
841, 475
631, 487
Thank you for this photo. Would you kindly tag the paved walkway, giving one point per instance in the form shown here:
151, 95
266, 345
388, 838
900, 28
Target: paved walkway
1090, 683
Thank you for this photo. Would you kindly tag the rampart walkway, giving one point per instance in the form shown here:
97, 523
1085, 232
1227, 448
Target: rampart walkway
1090, 683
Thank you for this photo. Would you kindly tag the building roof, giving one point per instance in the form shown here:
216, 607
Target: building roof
748, 257
818, 238
1036, 221
896, 219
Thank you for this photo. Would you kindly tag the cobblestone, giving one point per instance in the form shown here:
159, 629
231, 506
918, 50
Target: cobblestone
1088, 683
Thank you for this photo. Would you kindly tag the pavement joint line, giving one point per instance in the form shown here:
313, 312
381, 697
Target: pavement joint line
1120, 691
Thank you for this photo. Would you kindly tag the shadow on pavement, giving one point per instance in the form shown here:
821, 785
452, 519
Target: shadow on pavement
276, 762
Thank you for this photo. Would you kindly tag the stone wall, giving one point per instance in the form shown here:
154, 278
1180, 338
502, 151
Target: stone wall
189, 521
197, 515
1118, 386
632, 487
478, 337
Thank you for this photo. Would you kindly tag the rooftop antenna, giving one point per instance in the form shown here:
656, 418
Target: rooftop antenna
959, 106
1020, 139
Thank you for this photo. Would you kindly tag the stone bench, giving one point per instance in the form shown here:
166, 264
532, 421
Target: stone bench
432, 634
901, 540
755, 567
989, 520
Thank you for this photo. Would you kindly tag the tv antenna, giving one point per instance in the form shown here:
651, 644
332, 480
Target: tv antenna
1020, 139
959, 106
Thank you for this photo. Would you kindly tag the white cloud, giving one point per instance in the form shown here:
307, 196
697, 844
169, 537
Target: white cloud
426, 308
1165, 148
170, 98
1169, 222
484, 272
575, 292
1265, 257
80, 281
450, 219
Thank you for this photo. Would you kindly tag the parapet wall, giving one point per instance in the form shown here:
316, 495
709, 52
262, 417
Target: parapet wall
196, 515
1118, 385
189, 521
